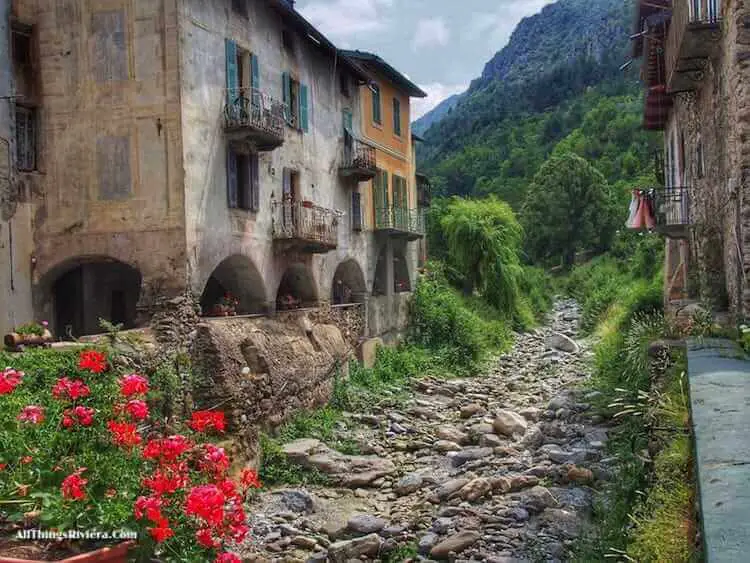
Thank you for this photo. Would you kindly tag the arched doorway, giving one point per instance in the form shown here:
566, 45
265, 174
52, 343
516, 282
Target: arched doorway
235, 286
401, 279
348, 284
85, 290
297, 289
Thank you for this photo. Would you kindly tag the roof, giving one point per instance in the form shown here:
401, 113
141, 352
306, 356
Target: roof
371, 60
417, 138
295, 19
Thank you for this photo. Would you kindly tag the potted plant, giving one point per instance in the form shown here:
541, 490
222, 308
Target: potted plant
109, 554
229, 305
307, 203
29, 334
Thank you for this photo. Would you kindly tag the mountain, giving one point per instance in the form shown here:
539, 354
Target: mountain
556, 86
421, 125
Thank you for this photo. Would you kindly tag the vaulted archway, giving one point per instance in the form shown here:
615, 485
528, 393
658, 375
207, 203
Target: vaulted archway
349, 284
235, 286
297, 289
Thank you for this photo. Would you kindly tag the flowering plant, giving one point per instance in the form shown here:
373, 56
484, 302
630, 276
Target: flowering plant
33, 328
80, 449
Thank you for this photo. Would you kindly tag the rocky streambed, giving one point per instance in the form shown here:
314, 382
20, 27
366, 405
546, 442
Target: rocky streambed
497, 468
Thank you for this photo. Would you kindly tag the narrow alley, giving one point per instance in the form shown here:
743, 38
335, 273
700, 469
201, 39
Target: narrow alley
496, 468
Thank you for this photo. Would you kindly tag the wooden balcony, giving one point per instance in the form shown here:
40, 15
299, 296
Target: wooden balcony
672, 212
359, 162
400, 222
250, 116
305, 227
693, 38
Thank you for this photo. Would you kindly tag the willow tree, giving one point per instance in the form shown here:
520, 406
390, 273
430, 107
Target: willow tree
484, 241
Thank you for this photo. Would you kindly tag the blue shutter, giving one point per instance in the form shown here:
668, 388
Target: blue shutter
304, 111
232, 71
255, 72
231, 178
286, 85
348, 122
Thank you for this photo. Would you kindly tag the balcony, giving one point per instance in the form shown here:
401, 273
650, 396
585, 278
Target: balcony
424, 191
305, 227
251, 116
400, 222
694, 34
672, 212
359, 162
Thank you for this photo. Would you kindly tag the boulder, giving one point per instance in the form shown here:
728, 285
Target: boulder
445, 446
508, 423
409, 484
580, 475
364, 524
475, 489
342, 551
448, 489
470, 454
538, 499
559, 341
455, 544
471, 410
452, 434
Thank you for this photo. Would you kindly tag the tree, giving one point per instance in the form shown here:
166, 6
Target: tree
569, 207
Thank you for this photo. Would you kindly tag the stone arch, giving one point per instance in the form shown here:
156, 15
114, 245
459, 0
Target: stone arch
235, 277
401, 277
349, 285
297, 289
76, 293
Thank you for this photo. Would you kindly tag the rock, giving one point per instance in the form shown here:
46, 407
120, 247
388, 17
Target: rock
520, 482
561, 522
559, 341
392, 531
560, 402
455, 544
427, 542
501, 484
531, 414
580, 475
556, 453
538, 499
445, 446
298, 501
318, 557
519, 514
343, 551
470, 454
334, 529
448, 489
409, 484
364, 524
490, 441
508, 423
452, 434
305, 542
533, 438
300, 449
471, 410
475, 489
442, 525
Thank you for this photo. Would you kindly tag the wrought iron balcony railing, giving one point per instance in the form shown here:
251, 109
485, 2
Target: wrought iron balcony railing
252, 115
694, 34
400, 221
672, 211
309, 227
360, 161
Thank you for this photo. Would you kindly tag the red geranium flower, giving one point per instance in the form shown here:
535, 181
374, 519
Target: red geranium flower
133, 384
148, 506
227, 557
33, 414
207, 503
137, 409
3, 466
73, 485
27, 459
167, 450
93, 361
205, 538
9, 380
161, 531
167, 480
205, 420
214, 460
249, 479
66, 388
82, 415
124, 434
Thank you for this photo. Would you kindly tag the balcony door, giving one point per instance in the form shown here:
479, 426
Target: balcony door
290, 198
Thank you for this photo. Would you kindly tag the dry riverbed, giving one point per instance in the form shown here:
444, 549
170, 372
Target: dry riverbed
497, 468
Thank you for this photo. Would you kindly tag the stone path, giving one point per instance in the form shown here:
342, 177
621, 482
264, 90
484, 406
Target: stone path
497, 468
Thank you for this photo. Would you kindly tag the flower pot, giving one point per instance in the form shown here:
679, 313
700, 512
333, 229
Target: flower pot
13, 340
307, 204
114, 554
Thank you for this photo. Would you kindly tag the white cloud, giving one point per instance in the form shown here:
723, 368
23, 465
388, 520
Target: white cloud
342, 18
496, 27
436, 93
431, 32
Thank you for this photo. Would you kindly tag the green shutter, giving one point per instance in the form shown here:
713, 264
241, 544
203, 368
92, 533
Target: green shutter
232, 77
376, 105
397, 116
304, 111
348, 122
255, 72
286, 84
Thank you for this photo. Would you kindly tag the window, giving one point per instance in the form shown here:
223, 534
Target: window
21, 49
344, 85
243, 180
356, 211
287, 41
296, 103
25, 138
400, 195
380, 185
376, 113
397, 116
242, 76
701, 161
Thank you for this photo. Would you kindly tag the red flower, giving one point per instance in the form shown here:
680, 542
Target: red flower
82, 415
110, 493
93, 361
124, 434
207, 503
249, 479
148, 506
167, 480
214, 460
66, 388
27, 459
227, 557
33, 414
204, 420
168, 449
137, 409
206, 539
3, 466
72, 486
161, 531
9, 380
133, 384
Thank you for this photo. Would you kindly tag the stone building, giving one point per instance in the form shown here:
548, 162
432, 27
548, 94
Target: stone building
696, 69
216, 147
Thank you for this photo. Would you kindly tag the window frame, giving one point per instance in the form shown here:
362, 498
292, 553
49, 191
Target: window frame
246, 180
397, 117
377, 105
31, 134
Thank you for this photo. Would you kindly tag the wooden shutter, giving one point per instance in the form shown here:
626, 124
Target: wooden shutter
348, 122
232, 78
396, 116
376, 105
304, 110
356, 211
232, 195
254, 182
286, 84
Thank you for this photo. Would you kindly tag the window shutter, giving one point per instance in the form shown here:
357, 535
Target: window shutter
385, 190
348, 122
231, 178
396, 116
304, 111
287, 182
254, 182
286, 84
376, 105
255, 72
356, 211
232, 71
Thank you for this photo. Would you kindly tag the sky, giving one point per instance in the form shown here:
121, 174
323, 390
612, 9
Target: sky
441, 45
